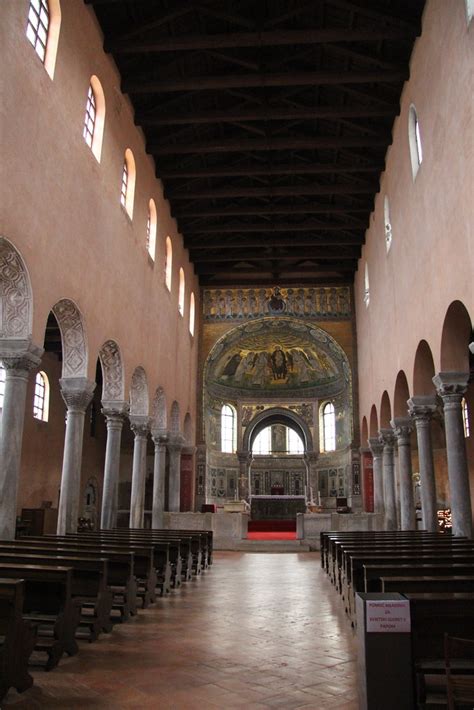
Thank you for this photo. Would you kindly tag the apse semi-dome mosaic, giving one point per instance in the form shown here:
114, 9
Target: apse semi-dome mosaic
277, 356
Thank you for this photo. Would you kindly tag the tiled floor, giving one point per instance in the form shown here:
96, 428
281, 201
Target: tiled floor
257, 631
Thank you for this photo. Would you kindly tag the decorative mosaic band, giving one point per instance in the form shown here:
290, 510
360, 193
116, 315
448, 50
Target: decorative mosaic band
240, 304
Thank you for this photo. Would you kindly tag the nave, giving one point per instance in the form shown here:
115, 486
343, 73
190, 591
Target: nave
258, 631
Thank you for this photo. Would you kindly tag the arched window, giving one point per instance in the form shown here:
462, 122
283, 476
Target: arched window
262, 444
94, 119
294, 443
228, 429
387, 223
465, 418
168, 263
2, 384
151, 229
366, 286
191, 313
127, 192
414, 138
469, 10
181, 292
41, 398
42, 30
328, 423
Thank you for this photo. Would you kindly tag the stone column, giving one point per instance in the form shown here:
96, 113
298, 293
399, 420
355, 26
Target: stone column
421, 409
243, 488
140, 427
387, 438
77, 393
18, 359
402, 427
451, 387
311, 462
174, 447
114, 413
377, 451
159, 467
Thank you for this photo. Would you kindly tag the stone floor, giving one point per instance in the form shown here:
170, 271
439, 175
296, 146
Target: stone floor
256, 631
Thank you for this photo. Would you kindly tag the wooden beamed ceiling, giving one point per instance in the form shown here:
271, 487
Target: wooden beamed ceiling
268, 122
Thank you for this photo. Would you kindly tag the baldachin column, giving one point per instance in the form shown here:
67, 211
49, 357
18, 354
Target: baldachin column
114, 417
451, 387
159, 469
18, 363
402, 427
387, 438
377, 453
422, 408
77, 392
140, 427
243, 488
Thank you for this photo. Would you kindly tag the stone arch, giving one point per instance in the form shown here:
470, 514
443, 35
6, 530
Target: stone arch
373, 422
401, 396
423, 370
159, 411
16, 297
139, 402
113, 388
455, 338
73, 338
364, 432
188, 429
277, 415
385, 411
175, 418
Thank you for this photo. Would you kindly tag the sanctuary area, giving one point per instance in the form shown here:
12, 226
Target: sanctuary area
236, 318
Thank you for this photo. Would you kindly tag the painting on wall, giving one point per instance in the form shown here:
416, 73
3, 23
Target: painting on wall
274, 358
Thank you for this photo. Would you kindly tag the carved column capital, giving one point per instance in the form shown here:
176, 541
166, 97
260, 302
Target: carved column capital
245, 457
451, 386
402, 428
160, 438
422, 407
386, 438
140, 425
77, 393
375, 446
20, 355
175, 443
114, 413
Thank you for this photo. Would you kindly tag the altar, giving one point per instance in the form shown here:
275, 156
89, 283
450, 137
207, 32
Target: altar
276, 507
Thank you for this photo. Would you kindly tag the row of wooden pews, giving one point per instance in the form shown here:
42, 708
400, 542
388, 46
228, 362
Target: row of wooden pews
56, 590
434, 571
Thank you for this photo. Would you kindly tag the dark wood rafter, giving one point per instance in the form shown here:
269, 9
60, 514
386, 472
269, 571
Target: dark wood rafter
268, 123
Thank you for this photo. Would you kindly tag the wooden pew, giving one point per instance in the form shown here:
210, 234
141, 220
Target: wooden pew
405, 585
121, 575
89, 586
49, 604
17, 638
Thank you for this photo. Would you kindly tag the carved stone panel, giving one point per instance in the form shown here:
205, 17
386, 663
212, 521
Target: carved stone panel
139, 393
73, 338
111, 360
16, 302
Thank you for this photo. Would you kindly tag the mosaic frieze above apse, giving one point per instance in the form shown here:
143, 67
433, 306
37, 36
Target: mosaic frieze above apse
274, 357
330, 303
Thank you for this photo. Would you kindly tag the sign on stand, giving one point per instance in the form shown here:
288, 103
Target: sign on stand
388, 617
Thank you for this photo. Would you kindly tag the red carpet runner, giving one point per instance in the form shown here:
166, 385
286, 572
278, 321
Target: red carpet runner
271, 535
272, 530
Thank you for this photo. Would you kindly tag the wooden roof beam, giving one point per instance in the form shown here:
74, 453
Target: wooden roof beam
133, 85
287, 190
347, 267
270, 209
312, 254
246, 242
269, 113
307, 226
259, 39
256, 144
296, 168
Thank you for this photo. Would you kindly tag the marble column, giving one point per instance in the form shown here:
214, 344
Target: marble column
387, 438
451, 387
159, 470
140, 427
18, 359
114, 416
243, 488
402, 428
421, 410
311, 461
174, 496
77, 393
377, 452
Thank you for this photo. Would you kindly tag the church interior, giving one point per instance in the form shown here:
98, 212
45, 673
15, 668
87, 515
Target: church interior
237, 354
